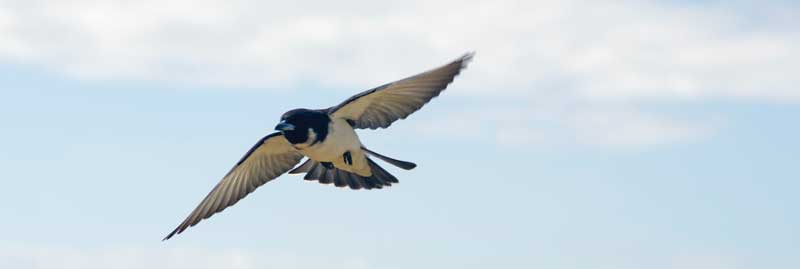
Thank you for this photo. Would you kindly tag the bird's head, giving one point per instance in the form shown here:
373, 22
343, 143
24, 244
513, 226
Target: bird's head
298, 125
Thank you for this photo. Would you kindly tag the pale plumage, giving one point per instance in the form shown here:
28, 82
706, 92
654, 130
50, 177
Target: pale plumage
328, 139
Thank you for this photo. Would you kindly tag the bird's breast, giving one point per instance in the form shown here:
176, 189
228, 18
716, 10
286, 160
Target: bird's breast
340, 139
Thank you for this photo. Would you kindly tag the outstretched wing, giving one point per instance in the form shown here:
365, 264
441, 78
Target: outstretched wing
379, 107
268, 159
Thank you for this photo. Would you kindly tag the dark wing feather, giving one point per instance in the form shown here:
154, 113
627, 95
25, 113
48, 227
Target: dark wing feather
268, 159
379, 107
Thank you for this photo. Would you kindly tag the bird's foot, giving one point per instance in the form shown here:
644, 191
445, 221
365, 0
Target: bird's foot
348, 159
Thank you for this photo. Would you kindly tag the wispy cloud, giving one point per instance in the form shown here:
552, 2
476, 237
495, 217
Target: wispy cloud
620, 128
601, 126
601, 52
604, 49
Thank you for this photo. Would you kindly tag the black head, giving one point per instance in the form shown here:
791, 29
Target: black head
295, 125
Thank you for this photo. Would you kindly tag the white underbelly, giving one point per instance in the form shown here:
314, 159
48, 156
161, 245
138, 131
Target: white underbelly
340, 139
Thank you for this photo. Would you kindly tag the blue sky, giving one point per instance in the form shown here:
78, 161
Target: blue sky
648, 135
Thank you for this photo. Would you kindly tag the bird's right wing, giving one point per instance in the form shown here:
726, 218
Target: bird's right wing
268, 159
379, 107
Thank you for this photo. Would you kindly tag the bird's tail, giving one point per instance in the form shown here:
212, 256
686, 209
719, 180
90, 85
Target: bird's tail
395, 162
315, 171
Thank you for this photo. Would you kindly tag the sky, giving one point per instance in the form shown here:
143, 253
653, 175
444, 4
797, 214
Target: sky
602, 134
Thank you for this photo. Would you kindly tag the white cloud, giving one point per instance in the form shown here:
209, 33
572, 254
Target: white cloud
605, 49
599, 52
619, 128
604, 125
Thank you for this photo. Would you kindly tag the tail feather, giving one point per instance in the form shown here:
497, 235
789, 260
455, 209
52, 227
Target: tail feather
341, 178
379, 173
330, 175
402, 164
320, 173
303, 168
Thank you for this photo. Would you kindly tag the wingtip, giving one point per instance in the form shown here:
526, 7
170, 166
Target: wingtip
168, 236
173, 233
466, 58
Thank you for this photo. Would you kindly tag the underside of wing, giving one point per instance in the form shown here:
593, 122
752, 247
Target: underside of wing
381, 106
269, 158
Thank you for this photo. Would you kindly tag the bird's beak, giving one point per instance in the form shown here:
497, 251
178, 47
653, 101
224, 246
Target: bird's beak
284, 126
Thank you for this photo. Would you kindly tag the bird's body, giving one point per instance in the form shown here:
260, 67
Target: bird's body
328, 140
341, 138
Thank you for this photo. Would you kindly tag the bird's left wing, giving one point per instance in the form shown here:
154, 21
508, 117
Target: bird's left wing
268, 159
379, 107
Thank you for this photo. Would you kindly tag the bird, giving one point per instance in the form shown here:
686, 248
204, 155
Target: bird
326, 138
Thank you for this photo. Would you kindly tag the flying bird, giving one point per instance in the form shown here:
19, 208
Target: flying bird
328, 141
